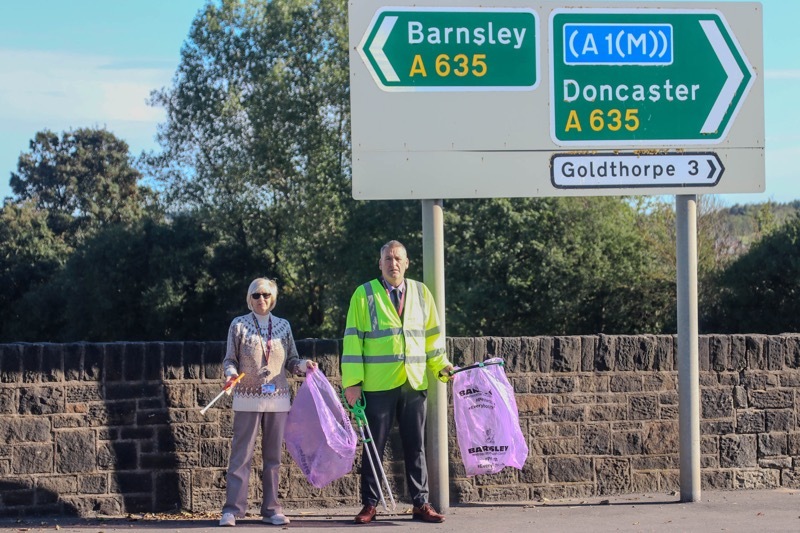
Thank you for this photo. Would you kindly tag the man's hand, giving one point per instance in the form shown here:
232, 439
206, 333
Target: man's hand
446, 370
352, 394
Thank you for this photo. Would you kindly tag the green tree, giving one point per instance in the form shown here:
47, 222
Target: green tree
31, 255
150, 280
765, 218
256, 142
656, 222
82, 179
67, 189
760, 291
551, 266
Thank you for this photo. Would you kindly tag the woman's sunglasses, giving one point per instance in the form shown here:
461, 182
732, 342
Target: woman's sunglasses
259, 295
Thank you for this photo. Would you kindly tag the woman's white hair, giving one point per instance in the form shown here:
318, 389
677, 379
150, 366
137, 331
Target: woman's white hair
262, 285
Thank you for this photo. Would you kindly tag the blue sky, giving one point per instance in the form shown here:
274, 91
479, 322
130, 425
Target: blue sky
67, 64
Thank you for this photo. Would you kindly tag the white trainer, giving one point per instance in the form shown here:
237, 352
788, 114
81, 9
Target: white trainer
227, 520
277, 519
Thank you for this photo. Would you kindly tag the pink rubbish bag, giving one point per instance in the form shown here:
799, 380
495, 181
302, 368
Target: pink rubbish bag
318, 433
487, 420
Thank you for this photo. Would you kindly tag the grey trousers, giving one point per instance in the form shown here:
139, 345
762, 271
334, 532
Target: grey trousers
245, 431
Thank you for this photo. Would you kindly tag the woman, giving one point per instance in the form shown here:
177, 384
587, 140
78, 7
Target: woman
261, 346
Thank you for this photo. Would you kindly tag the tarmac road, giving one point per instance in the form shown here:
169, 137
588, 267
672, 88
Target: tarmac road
763, 511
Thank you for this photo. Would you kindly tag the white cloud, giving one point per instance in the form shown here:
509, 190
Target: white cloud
62, 91
782, 74
47, 87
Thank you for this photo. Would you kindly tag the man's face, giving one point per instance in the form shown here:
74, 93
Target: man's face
394, 263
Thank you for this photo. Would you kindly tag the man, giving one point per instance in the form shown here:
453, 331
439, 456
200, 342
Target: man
392, 336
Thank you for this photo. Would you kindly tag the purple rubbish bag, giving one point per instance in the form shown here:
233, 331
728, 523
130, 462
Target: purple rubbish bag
318, 433
487, 420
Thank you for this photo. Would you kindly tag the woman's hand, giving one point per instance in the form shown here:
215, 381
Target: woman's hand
228, 387
305, 366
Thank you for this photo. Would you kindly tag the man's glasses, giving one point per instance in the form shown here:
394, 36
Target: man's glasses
259, 295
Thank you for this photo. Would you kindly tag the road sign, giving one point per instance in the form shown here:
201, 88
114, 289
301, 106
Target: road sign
677, 79
452, 49
593, 171
645, 76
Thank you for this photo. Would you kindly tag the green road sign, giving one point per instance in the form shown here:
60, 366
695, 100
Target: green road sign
452, 49
644, 76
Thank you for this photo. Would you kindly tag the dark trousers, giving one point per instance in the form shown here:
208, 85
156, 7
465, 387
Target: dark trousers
408, 407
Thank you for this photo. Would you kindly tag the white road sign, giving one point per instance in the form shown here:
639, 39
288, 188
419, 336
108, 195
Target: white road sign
590, 171
497, 100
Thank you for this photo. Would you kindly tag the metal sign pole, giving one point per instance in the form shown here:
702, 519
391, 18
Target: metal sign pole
688, 367
436, 425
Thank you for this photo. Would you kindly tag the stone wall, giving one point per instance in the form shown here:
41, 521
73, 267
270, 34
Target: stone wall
108, 429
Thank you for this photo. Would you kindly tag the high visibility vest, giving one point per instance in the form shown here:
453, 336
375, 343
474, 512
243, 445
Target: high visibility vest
381, 350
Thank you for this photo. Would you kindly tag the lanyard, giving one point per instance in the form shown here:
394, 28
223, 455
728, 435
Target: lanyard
268, 348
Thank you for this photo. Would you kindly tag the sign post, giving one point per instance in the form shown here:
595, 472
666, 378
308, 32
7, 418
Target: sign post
688, 350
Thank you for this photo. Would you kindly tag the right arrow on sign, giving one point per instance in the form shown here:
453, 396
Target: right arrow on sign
712, 169
734, 73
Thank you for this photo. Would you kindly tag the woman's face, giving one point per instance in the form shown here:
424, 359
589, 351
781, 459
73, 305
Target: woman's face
262, 302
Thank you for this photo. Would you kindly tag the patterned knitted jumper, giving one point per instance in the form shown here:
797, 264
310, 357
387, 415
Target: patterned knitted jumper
265, 387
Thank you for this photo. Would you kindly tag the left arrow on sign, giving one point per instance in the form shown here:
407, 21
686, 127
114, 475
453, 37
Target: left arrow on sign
376, 49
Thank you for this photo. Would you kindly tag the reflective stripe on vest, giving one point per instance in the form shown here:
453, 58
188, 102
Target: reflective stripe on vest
388, 358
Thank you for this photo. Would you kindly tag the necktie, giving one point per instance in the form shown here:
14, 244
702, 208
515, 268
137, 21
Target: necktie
394, 295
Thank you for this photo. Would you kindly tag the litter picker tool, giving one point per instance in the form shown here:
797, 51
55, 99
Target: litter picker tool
369, 444
476, 365
225, 390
